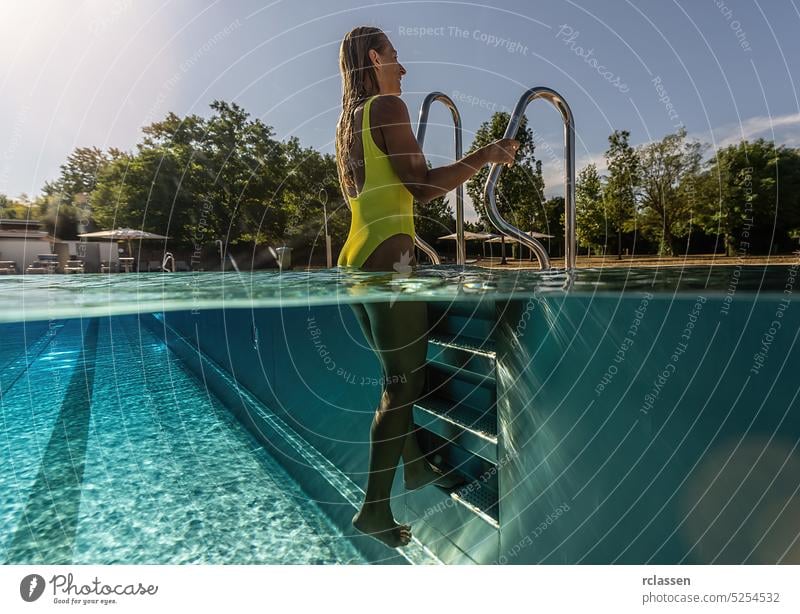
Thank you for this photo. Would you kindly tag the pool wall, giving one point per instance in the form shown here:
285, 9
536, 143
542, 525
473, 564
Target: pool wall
631, 429
634, 430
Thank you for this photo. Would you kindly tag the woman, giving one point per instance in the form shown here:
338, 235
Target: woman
381, 172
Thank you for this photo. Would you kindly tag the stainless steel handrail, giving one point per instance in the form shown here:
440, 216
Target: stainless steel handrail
422, 125
570, 245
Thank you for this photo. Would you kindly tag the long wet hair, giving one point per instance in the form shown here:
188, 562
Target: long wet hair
359, 82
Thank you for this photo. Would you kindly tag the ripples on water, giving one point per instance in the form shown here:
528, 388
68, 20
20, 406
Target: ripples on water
33, 297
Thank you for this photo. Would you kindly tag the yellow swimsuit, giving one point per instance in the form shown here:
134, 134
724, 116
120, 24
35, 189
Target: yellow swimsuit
384, 207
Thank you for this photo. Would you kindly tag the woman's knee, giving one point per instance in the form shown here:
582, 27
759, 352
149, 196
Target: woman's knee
405, 389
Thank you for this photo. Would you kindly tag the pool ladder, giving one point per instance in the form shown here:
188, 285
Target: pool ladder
570, 240
456, 424
456, 419
422, 127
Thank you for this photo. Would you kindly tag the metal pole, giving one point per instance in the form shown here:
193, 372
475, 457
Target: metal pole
569, 181
327, 236
422, 124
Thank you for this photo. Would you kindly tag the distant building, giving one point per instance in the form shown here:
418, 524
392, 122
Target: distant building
22, 241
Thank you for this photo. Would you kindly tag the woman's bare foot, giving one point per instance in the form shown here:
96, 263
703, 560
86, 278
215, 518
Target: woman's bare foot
423, 473
380, 525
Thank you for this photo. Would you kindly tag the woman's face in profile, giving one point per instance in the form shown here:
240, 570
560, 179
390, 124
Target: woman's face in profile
390, 71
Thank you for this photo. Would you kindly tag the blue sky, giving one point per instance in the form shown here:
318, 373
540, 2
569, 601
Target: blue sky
92, 73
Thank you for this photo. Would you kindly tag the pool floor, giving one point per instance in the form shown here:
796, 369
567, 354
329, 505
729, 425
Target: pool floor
113, 452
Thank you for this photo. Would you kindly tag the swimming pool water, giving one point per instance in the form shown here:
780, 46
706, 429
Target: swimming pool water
152, 433
38, 297
114, 452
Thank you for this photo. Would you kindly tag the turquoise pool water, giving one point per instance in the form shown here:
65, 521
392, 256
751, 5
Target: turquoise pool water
224, 417
39, 297
113, 452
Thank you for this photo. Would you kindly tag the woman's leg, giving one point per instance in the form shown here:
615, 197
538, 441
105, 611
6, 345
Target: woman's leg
399, 333
417, 471
412, 454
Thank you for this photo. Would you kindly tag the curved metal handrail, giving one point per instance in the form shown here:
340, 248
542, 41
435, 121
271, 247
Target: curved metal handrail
422, 125
569, 181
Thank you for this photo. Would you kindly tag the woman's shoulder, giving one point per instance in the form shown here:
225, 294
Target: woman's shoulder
389, 109
388, 101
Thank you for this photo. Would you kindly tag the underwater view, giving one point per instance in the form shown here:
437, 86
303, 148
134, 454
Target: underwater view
646, 403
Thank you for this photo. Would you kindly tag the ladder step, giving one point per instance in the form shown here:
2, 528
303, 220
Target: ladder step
451, 354
457, 418
480, 499
479, 347
459, 520
479, 395
457, 423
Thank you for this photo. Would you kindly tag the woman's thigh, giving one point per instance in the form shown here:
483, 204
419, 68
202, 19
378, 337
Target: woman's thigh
363, 319
400, 336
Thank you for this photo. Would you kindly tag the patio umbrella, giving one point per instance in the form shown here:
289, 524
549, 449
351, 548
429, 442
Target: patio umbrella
504, 238
470, 236
532, 233
122, 234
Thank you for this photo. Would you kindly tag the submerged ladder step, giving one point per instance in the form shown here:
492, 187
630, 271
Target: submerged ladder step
473, 430
458, 414
481, 500
472, 331
452, 355
480, 395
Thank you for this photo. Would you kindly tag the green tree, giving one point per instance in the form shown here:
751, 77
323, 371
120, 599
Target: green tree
245, 171
669, 174
310, 190
172, 159
621, 187
198, 180
144, 190
589, 208
113, 195
433, 219
64, 206
13, 209
520, 189
750, 196
61, 219
476, 226
554, 214
79, 173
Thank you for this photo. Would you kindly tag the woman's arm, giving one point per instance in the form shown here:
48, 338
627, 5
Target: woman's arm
408, 161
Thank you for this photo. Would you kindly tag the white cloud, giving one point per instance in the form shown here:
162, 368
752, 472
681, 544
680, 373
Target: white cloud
754, 127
